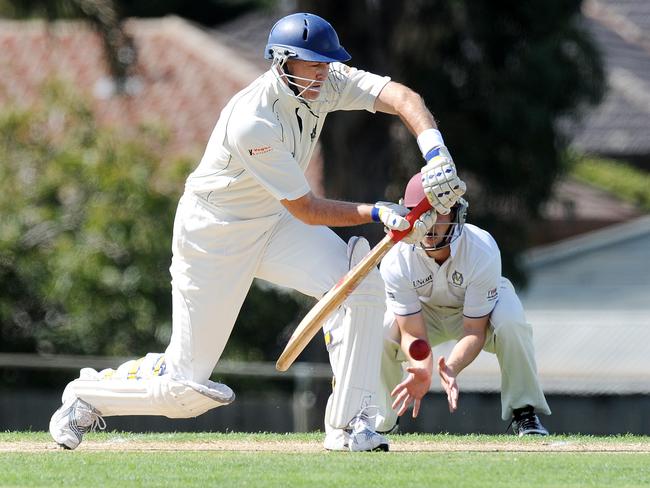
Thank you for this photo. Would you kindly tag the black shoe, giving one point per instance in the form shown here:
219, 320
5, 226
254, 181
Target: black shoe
526, 422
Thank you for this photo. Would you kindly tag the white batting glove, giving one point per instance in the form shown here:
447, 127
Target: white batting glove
391, 215
420, 227
440, 182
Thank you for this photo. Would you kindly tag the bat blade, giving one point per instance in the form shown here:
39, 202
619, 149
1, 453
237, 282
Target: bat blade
315, 318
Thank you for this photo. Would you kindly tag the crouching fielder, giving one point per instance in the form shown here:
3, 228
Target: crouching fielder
248, 212
449, 287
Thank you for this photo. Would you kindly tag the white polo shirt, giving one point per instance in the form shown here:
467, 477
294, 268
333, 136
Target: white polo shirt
264, 139
468, 280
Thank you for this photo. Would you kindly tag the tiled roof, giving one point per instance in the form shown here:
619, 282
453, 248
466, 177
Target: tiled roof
183, 77
620, 125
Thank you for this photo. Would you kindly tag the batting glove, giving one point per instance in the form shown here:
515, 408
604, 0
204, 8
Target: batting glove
420, 227
391, 215
440, 182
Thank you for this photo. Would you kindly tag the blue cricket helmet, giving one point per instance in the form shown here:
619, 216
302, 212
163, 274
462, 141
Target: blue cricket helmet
306, 37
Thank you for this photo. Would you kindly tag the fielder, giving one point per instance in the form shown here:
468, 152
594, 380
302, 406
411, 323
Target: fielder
247, 211
449, 287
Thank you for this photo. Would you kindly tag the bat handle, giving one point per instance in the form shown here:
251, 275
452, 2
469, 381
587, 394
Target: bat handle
412, 216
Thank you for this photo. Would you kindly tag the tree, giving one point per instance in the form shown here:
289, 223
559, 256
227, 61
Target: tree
85, 239
498, 76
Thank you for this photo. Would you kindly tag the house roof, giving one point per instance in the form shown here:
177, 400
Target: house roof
183, 77
620, 125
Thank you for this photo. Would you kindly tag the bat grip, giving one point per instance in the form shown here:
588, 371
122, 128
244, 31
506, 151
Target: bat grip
412, 216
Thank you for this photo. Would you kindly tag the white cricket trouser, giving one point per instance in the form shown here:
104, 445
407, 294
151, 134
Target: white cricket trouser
509, 336
213, 266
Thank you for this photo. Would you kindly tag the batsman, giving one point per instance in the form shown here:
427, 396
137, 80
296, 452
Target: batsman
248, 212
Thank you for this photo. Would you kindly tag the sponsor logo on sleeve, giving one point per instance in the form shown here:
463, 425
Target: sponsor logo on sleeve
492, 294
259, 150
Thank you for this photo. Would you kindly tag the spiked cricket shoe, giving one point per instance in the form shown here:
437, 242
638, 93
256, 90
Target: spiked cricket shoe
526, 422
363, 437
72, 420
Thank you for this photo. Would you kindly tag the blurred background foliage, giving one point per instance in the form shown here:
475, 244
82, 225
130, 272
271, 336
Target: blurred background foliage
85, 239
87, 217
498, 76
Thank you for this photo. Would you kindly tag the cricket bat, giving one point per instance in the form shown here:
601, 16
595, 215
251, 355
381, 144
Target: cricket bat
315, 318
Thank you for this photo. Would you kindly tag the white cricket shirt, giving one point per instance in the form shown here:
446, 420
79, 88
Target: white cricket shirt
262, 143
468, 280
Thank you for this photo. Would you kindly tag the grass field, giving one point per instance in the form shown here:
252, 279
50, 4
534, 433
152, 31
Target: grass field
294, 460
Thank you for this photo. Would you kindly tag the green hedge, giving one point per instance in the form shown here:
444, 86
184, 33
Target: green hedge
627, 182
85, 238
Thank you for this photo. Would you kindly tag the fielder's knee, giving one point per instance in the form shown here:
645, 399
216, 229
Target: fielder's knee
512, 328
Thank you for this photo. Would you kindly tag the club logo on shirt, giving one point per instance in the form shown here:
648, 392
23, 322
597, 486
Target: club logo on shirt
457, 278
259, 150
420, 282
492, 294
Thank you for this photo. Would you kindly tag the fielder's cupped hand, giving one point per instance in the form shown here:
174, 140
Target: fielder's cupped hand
411, 390
440, 182
449, 384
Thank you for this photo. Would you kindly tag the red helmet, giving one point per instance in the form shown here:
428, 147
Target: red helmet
414, 192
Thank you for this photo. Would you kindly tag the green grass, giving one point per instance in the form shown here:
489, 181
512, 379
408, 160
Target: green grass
442, 462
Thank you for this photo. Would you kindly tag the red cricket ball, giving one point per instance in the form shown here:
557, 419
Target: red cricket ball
419, 349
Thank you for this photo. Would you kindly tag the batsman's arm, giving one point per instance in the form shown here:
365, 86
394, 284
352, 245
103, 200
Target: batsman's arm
400, 100
314, 320
333, 213
313, 210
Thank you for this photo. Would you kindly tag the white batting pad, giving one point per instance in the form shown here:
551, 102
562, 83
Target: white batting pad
392, 373
157, 395
355, 344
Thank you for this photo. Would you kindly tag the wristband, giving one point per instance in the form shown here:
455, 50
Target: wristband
429, 139
431, 154
374, 213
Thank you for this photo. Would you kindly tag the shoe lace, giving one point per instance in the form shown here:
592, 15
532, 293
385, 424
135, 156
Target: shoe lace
364, 417
90, 419
529, 422
524, 421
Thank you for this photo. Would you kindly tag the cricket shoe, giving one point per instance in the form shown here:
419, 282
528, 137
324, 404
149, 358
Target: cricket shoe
363, 437
72, 420
337, 440
526, 422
